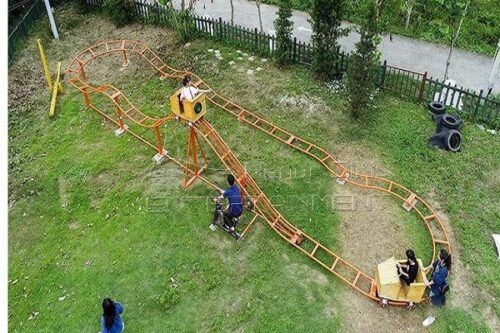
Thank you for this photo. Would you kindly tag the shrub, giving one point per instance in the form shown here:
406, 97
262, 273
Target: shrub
121, 12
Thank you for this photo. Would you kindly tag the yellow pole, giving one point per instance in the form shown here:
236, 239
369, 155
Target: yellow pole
44, 63
56, 88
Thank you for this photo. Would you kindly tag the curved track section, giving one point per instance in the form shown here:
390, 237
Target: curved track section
300, 240
75, 74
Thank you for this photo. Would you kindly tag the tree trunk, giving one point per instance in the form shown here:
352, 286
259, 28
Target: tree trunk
232, 12
454, 40
257, 2
183, 4
409, 10
378, 4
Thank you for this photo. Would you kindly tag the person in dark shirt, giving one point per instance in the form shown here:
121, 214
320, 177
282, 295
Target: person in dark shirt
438, 283
111, 322
408, 271
235, 207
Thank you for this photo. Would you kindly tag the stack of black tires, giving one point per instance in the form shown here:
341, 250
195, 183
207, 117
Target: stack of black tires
448, 127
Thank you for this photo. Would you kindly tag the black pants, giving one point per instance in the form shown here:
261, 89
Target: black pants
228, 218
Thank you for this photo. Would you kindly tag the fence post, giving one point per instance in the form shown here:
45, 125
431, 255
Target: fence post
221, 34
382, 79
295, 49
476, 110
422, 87
256, 38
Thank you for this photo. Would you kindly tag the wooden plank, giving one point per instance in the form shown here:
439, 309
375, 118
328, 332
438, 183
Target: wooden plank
335, 263
314, 250
356, 279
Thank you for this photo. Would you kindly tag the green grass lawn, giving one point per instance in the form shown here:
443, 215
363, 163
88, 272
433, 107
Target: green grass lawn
90, 215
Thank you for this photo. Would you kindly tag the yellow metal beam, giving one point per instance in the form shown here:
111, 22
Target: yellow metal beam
56, 88
44, 64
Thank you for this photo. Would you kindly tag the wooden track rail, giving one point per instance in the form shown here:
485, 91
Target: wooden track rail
300, 240
347, 272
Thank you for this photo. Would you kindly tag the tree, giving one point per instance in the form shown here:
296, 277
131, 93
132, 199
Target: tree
364, 62
326, 20
284, 27
232, 11
457, 10
408, 6
182, 20
257, 3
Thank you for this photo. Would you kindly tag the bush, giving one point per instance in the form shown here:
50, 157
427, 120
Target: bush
121, 12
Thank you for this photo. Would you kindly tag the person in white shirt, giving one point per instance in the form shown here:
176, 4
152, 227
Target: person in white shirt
189, 92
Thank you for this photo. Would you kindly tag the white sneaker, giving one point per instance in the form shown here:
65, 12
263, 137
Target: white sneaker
428, 321
212, 227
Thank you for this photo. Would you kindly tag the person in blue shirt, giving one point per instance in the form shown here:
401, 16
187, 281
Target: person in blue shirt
438, 284
111, 322
235, 207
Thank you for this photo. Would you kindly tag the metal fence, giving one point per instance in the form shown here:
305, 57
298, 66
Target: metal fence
406, 83
19, 31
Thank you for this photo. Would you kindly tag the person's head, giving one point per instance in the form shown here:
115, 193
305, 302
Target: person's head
230, 180
186, 80
108, 307
410, 254
445, 258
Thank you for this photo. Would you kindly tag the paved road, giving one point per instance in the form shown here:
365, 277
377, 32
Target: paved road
468, 69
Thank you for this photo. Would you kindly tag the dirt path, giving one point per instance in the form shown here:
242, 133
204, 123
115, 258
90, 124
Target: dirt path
366, 218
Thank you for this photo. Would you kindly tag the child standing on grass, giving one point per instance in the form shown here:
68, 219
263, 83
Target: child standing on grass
111, 322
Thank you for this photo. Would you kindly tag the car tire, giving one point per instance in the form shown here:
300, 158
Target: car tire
453, 140
451, 122
436, 107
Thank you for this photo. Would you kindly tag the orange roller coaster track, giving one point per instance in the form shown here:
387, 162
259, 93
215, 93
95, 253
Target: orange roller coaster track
127, 112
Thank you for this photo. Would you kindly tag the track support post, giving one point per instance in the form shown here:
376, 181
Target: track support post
162, 153
191, 174
86, 97
119, 115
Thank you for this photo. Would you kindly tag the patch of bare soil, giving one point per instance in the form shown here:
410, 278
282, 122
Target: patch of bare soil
371, 229
371, 232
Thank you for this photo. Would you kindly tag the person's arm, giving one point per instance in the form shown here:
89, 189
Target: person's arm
222, 195
118, 308
103, 325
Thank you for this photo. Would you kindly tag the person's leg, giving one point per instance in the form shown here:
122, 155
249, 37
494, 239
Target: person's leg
228, 218
433, 311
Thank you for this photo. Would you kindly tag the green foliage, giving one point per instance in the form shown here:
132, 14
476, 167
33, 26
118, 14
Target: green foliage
121, 12
364, 65
284, 27
69, 203
182, 22
170, 297
326, 20
479, 32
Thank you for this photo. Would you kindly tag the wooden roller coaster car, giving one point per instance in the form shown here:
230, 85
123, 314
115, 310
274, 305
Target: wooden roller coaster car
390, 287
188, 110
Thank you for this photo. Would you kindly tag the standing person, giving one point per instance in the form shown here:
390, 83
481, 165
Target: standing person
111, 322
235, 207
438, 284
